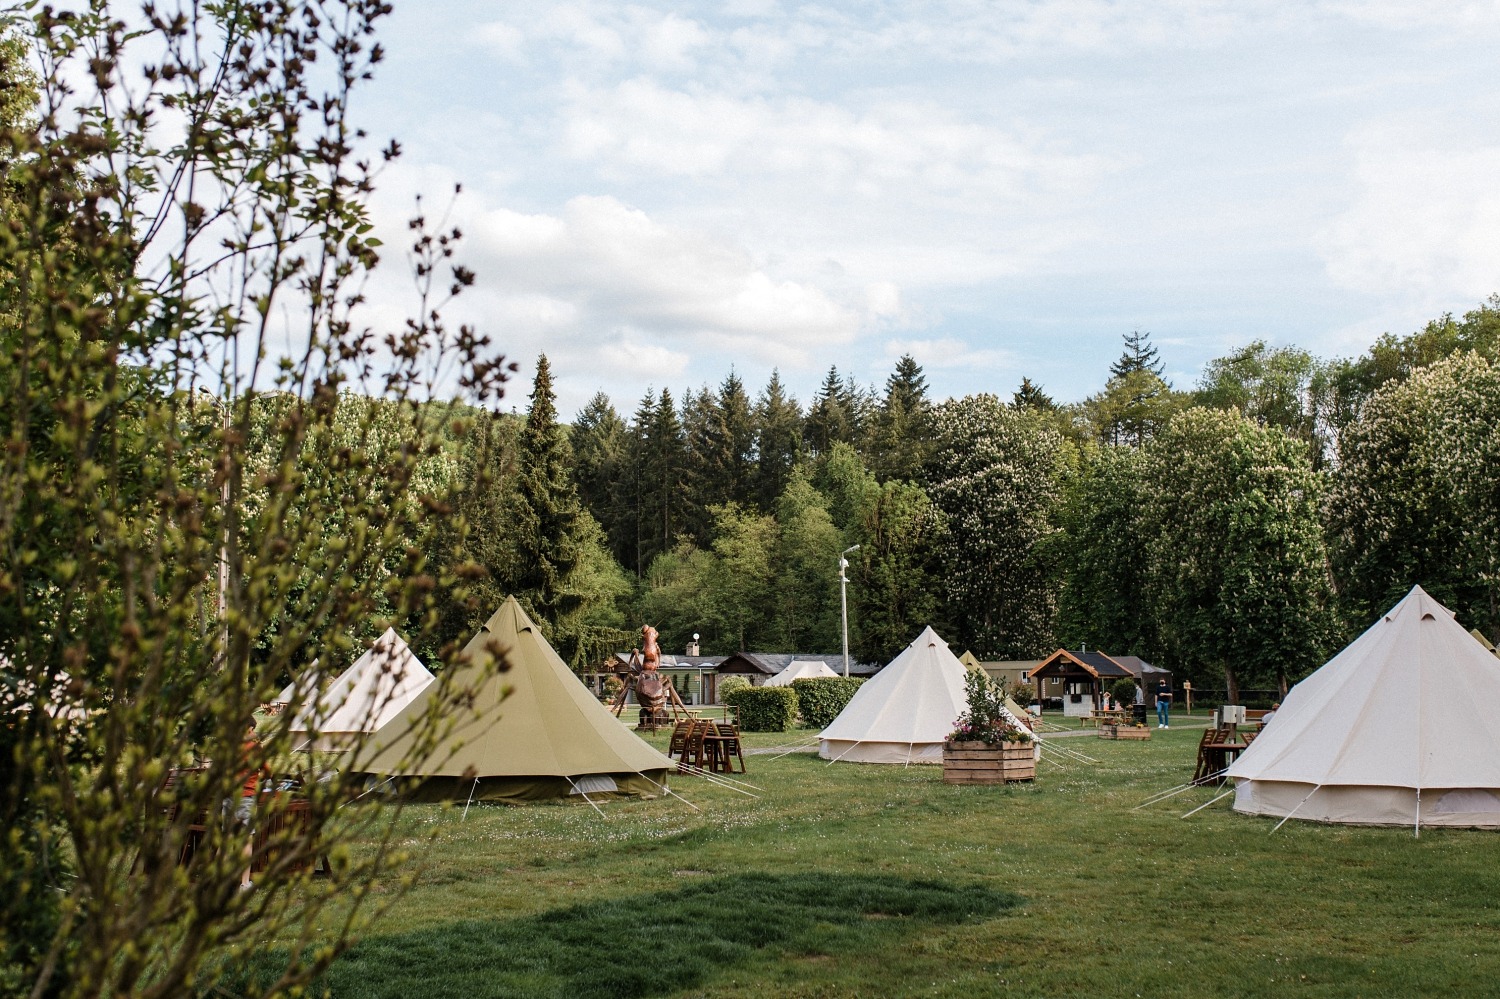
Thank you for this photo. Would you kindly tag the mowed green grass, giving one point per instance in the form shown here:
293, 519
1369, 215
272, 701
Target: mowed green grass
857, 880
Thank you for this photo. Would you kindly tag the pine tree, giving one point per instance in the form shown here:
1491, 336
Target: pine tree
732, 437
721, 439
778, 441
863, 408
903, 424
1030, 396
828, 419
635, 491
661, 466
600, 442
546, 508
699, 483
1139, 355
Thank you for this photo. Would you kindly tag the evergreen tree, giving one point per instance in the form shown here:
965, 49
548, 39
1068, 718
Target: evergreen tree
729, 455
600, 441
903, 424
1139, 355
661, 463
778, 442
700, 487
863, 408
1030, 396
829, 420
635, 485
546, 509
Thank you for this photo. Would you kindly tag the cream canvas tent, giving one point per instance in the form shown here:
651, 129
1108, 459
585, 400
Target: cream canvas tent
800, 669
903, 713
364, 698
1400, 728
548, 738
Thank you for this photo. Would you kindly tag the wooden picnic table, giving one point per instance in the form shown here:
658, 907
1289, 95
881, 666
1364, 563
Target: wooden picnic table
1096, 718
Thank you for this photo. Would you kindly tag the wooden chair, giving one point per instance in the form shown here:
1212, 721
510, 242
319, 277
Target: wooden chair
727, 749
676, 745
693, 749
1208, 756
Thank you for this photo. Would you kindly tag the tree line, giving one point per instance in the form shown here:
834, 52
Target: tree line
1237, 531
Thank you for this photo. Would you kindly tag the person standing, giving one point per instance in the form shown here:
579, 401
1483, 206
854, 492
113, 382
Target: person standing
1163, 704
241, 813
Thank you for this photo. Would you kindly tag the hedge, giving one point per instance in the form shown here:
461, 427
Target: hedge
764, 709
821, 698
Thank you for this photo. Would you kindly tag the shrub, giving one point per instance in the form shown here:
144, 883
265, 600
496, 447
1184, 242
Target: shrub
1123, 691
986, 720
729, 685
821, 698
1023, 694
764, 709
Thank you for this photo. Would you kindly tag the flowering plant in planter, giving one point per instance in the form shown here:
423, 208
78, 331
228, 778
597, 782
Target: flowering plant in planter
986, 720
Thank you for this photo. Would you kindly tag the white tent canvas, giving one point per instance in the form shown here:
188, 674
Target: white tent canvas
1400, 728
800, 669
904, 713
364, 697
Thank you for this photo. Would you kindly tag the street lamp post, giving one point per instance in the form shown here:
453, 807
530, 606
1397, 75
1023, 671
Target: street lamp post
844, 600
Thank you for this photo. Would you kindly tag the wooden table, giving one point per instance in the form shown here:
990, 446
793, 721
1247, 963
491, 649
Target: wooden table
1215, 758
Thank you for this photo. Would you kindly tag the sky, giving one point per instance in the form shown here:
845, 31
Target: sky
655, 194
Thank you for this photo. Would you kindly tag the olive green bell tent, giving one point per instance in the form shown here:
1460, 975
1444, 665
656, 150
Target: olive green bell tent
531, 732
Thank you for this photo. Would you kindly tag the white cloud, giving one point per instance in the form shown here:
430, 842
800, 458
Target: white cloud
618, 268
643, 127
949, 352
1425, 223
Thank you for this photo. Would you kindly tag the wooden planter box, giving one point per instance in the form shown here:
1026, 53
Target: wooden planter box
977, 763
1123, 732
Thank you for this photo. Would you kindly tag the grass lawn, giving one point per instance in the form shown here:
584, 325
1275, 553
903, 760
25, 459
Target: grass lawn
860, 880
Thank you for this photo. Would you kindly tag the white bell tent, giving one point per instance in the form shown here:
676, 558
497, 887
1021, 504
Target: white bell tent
904, 713
1400, 728
363, 698
800, 669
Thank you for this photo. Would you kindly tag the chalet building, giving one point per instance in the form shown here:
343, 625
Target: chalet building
758, 667
1084, 678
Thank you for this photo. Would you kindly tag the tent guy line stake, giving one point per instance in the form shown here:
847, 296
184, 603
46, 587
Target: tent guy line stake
1294, 811
673, 794
1071, 754
1179, 789
714, 779
1203, 806
794, 747
585, 796
471, 799
717, 776
367, 790
1417, 833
